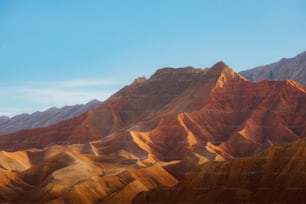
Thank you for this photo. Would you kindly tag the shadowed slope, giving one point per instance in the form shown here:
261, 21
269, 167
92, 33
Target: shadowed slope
276, 175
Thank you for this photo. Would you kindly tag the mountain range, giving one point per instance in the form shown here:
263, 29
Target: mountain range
287, 68
174, 129
44, 118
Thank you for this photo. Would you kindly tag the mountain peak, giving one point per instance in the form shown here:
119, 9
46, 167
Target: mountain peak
219, 67
224, 74
221, 63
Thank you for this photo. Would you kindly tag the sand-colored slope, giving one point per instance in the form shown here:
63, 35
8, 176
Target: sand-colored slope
63, 174
17, 161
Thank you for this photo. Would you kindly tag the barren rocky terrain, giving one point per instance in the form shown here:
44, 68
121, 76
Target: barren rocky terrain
154, 132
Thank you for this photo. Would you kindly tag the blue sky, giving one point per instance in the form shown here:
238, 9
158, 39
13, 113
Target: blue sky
55, 52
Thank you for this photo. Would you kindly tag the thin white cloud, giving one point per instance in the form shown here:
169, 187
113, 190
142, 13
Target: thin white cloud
33, 96
86, 83
58, 96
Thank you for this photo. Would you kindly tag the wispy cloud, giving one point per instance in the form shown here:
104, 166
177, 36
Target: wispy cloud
58, 96
40, 95
86, 83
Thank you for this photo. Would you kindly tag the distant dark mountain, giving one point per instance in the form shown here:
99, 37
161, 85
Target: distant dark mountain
43, 119
287, 68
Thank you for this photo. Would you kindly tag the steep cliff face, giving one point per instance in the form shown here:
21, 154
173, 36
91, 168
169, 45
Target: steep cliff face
287, 68
274, 176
